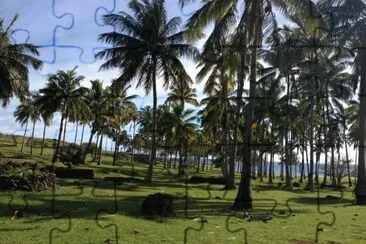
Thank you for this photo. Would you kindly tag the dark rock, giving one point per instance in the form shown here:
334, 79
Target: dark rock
157, 204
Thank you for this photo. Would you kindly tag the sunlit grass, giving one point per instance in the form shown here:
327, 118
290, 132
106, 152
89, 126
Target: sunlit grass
295, 213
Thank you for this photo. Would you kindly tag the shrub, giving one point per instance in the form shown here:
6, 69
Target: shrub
69, 173
71, 154
210, 180
141, 158
25, 177
157, 204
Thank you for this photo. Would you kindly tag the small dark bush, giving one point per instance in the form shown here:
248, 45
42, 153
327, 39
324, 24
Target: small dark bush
69, 173
157, 204
210, 180
296, 184
71, 154
141, 158
122, 179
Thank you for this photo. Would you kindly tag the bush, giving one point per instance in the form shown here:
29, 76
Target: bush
71, 154
141, 158
210, 180
25, 177
69, 173
157, 204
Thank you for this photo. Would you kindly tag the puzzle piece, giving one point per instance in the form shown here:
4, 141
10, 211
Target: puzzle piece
81, 39
31, 33
79, 215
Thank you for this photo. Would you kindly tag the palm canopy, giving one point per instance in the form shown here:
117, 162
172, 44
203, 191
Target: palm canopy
64, 94
145, 44
14, 62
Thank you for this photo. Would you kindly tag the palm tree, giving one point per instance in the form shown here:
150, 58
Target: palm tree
22, 115
146, 46
14, 62
45, 114
350, 21
179, 95
64, 94
181, 124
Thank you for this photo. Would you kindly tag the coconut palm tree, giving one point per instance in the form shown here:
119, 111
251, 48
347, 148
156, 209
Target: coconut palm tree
22, 115
63, 94
46, 114
14, 62
350, 22
181, 124
146, 46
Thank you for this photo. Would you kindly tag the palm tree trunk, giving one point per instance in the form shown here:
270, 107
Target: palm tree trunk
148, 178
347, 159
115, 150
175, 159
82, 135
31, 145
89, 144
244, 198
55, 156
25, 132
271, 158
63, 140
287, 150
43, 138
96, 148
76, 132
230, 184
334, 182
100, 149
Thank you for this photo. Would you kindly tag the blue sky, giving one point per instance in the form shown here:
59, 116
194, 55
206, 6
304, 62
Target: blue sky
73, 26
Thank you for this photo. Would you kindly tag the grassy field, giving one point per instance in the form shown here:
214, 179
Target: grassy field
95, 211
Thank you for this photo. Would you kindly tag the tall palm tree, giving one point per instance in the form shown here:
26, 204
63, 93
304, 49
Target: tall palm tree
14, 62
64, 94
146, 45
350, 22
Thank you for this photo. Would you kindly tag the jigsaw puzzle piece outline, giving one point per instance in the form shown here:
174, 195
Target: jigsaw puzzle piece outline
65, 44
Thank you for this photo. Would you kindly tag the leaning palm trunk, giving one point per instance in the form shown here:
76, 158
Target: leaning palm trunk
25, 132
32, 137
148, 178
43, 138
89, 144
63, 140
100, 149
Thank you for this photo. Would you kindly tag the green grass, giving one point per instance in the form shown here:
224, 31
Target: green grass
223, 226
